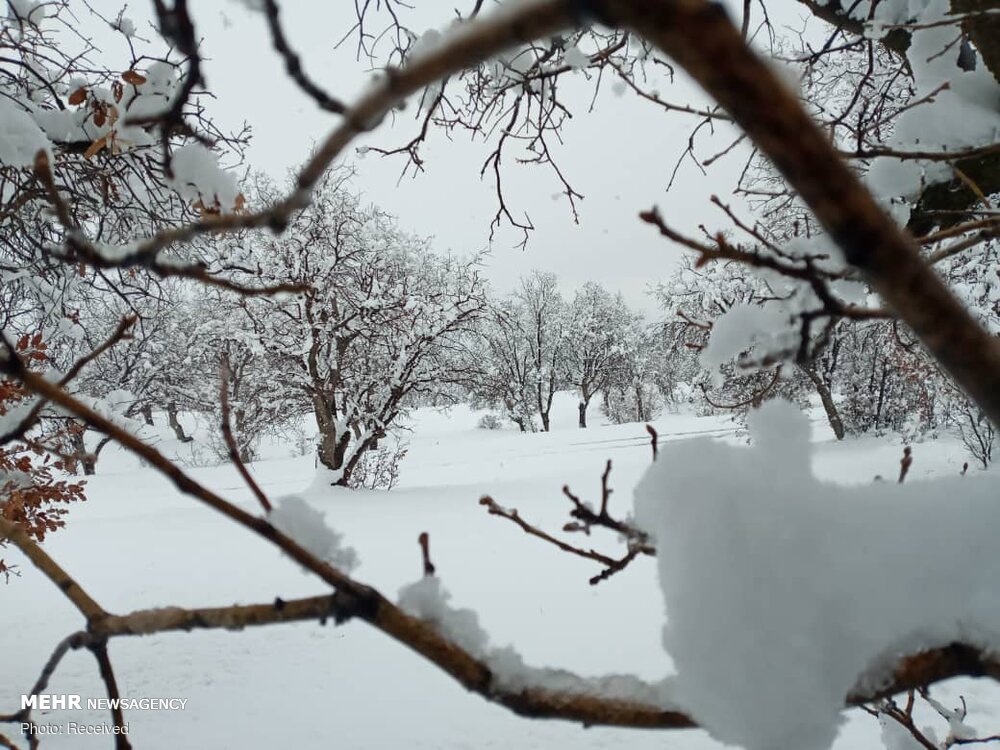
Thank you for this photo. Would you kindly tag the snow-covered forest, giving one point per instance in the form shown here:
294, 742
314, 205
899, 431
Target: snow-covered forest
281, 467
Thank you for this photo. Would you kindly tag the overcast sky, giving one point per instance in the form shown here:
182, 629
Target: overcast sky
620, 155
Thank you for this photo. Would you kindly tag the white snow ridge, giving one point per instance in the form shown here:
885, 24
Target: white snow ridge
782, 591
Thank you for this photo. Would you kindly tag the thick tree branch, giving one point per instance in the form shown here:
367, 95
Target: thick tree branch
99, 648
700, 37
89, 608
896, 40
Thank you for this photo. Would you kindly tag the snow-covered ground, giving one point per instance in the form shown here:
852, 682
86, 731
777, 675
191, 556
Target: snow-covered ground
138, 543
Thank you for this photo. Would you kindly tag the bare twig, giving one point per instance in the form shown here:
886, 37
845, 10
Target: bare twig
478, 40
587, 517
100, 650
230, 440
943, 155
904, 463
73, 641
514, 516
425, 551
293, 66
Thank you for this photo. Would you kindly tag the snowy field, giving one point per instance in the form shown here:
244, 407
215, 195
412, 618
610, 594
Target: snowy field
137, 543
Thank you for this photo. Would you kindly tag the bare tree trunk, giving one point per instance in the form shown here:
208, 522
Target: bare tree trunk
332, 448
543, 409
331, 452
175, 425
640, 404
327, 451
832, 414
881, 395
85, 460
147, 413
585, 395
245, 454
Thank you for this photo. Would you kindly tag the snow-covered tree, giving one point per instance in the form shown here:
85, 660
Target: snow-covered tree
518, 359
632, 392
101, 148
500, 366
374, 327
542, 320
733, 321
597, 341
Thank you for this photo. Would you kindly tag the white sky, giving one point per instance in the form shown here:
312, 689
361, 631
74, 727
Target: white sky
619, 155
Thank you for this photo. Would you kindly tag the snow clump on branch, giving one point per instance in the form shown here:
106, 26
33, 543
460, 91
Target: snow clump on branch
783, 593
305, 525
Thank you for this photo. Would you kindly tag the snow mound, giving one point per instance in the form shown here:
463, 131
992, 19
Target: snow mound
782, 591
295, 518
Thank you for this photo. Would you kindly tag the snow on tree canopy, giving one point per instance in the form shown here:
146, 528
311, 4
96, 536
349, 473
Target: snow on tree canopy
20, 137
739, 328
198, 176
782, 592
